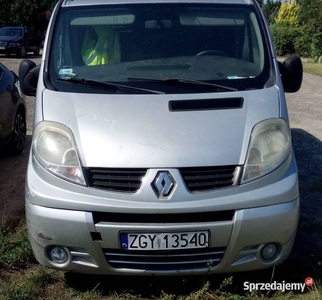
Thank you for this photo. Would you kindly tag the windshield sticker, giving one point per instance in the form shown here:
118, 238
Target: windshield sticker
239, 77
66, 73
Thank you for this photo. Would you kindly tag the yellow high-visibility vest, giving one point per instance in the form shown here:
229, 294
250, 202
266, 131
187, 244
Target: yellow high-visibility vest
105, 49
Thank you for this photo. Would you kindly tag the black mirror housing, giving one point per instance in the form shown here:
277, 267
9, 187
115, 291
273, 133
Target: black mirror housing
28, 77
292, 74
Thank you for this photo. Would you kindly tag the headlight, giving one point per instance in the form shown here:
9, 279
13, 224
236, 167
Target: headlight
53, 146
269, 146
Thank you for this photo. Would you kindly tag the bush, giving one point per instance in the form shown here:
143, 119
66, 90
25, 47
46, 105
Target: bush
303, 43
284, 37
309, 41
317, 45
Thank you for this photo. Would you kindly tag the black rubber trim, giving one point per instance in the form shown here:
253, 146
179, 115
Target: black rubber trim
214, 216
206, 104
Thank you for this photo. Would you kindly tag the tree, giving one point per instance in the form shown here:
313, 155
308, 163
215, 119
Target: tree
310, 17
288, 14
310, 11
23, 12
270, 9
285, 31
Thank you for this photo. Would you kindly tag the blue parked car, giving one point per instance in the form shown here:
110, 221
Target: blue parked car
12, 113
19, 40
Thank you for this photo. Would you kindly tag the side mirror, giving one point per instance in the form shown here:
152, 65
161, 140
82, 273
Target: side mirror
292, 74
28, 77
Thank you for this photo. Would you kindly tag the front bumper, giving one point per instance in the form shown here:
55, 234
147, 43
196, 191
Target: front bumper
256, 214
91, 234
234, 246
10, 49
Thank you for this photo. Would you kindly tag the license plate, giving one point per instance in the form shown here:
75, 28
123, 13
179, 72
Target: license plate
2, 48
164, 241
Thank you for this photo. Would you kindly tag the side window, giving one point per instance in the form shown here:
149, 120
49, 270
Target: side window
256, 42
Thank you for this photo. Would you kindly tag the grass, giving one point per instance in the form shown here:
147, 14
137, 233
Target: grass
40, 283
313, 68
15, 249
21, 278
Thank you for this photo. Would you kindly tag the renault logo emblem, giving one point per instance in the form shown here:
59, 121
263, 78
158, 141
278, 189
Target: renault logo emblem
163, 184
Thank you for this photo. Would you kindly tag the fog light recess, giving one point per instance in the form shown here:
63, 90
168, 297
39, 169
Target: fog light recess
269, 251
58, 255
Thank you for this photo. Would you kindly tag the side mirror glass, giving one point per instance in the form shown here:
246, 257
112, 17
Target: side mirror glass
28, 77
292, 74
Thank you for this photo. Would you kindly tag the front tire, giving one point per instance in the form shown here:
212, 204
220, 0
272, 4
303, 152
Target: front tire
23, 51
37, 51
18, 138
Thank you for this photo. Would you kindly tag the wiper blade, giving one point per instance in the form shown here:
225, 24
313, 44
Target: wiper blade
108, 85
185, 81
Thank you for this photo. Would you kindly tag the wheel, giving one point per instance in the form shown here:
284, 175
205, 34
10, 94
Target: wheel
211, 52
18, 138
37, 51
23, 51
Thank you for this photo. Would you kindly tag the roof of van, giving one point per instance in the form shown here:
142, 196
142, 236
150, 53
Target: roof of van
101, 2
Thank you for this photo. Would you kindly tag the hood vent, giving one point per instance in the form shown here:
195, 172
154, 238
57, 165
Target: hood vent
206, 104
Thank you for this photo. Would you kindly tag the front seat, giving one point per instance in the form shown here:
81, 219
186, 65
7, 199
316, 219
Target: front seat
101, 46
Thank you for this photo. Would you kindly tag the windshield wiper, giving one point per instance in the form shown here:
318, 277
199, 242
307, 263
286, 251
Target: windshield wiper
175, 81
108, 85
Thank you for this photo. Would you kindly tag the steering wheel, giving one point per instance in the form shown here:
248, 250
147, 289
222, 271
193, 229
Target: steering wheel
211, 52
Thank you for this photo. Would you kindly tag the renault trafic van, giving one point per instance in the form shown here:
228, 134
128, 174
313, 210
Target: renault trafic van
161, 140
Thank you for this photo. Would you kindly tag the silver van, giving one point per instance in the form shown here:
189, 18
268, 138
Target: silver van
161, 141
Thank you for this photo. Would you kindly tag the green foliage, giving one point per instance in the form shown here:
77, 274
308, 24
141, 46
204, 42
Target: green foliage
310, 12
87, 295
270, 9
288, 14
17, 292
310, 17
298, 27
15, 249
317, 45
308, 43
24, 12
29, 287
303, 42
284, 37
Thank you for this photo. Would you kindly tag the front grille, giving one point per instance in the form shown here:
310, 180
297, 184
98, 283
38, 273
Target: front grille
164, 260
118, 180
130, 180
208, 178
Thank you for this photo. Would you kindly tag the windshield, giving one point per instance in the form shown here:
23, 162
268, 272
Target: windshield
13, 32
146, 45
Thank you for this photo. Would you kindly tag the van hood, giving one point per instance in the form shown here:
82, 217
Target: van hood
140, 131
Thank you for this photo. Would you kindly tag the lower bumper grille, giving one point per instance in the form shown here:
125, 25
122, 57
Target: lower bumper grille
164, 260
